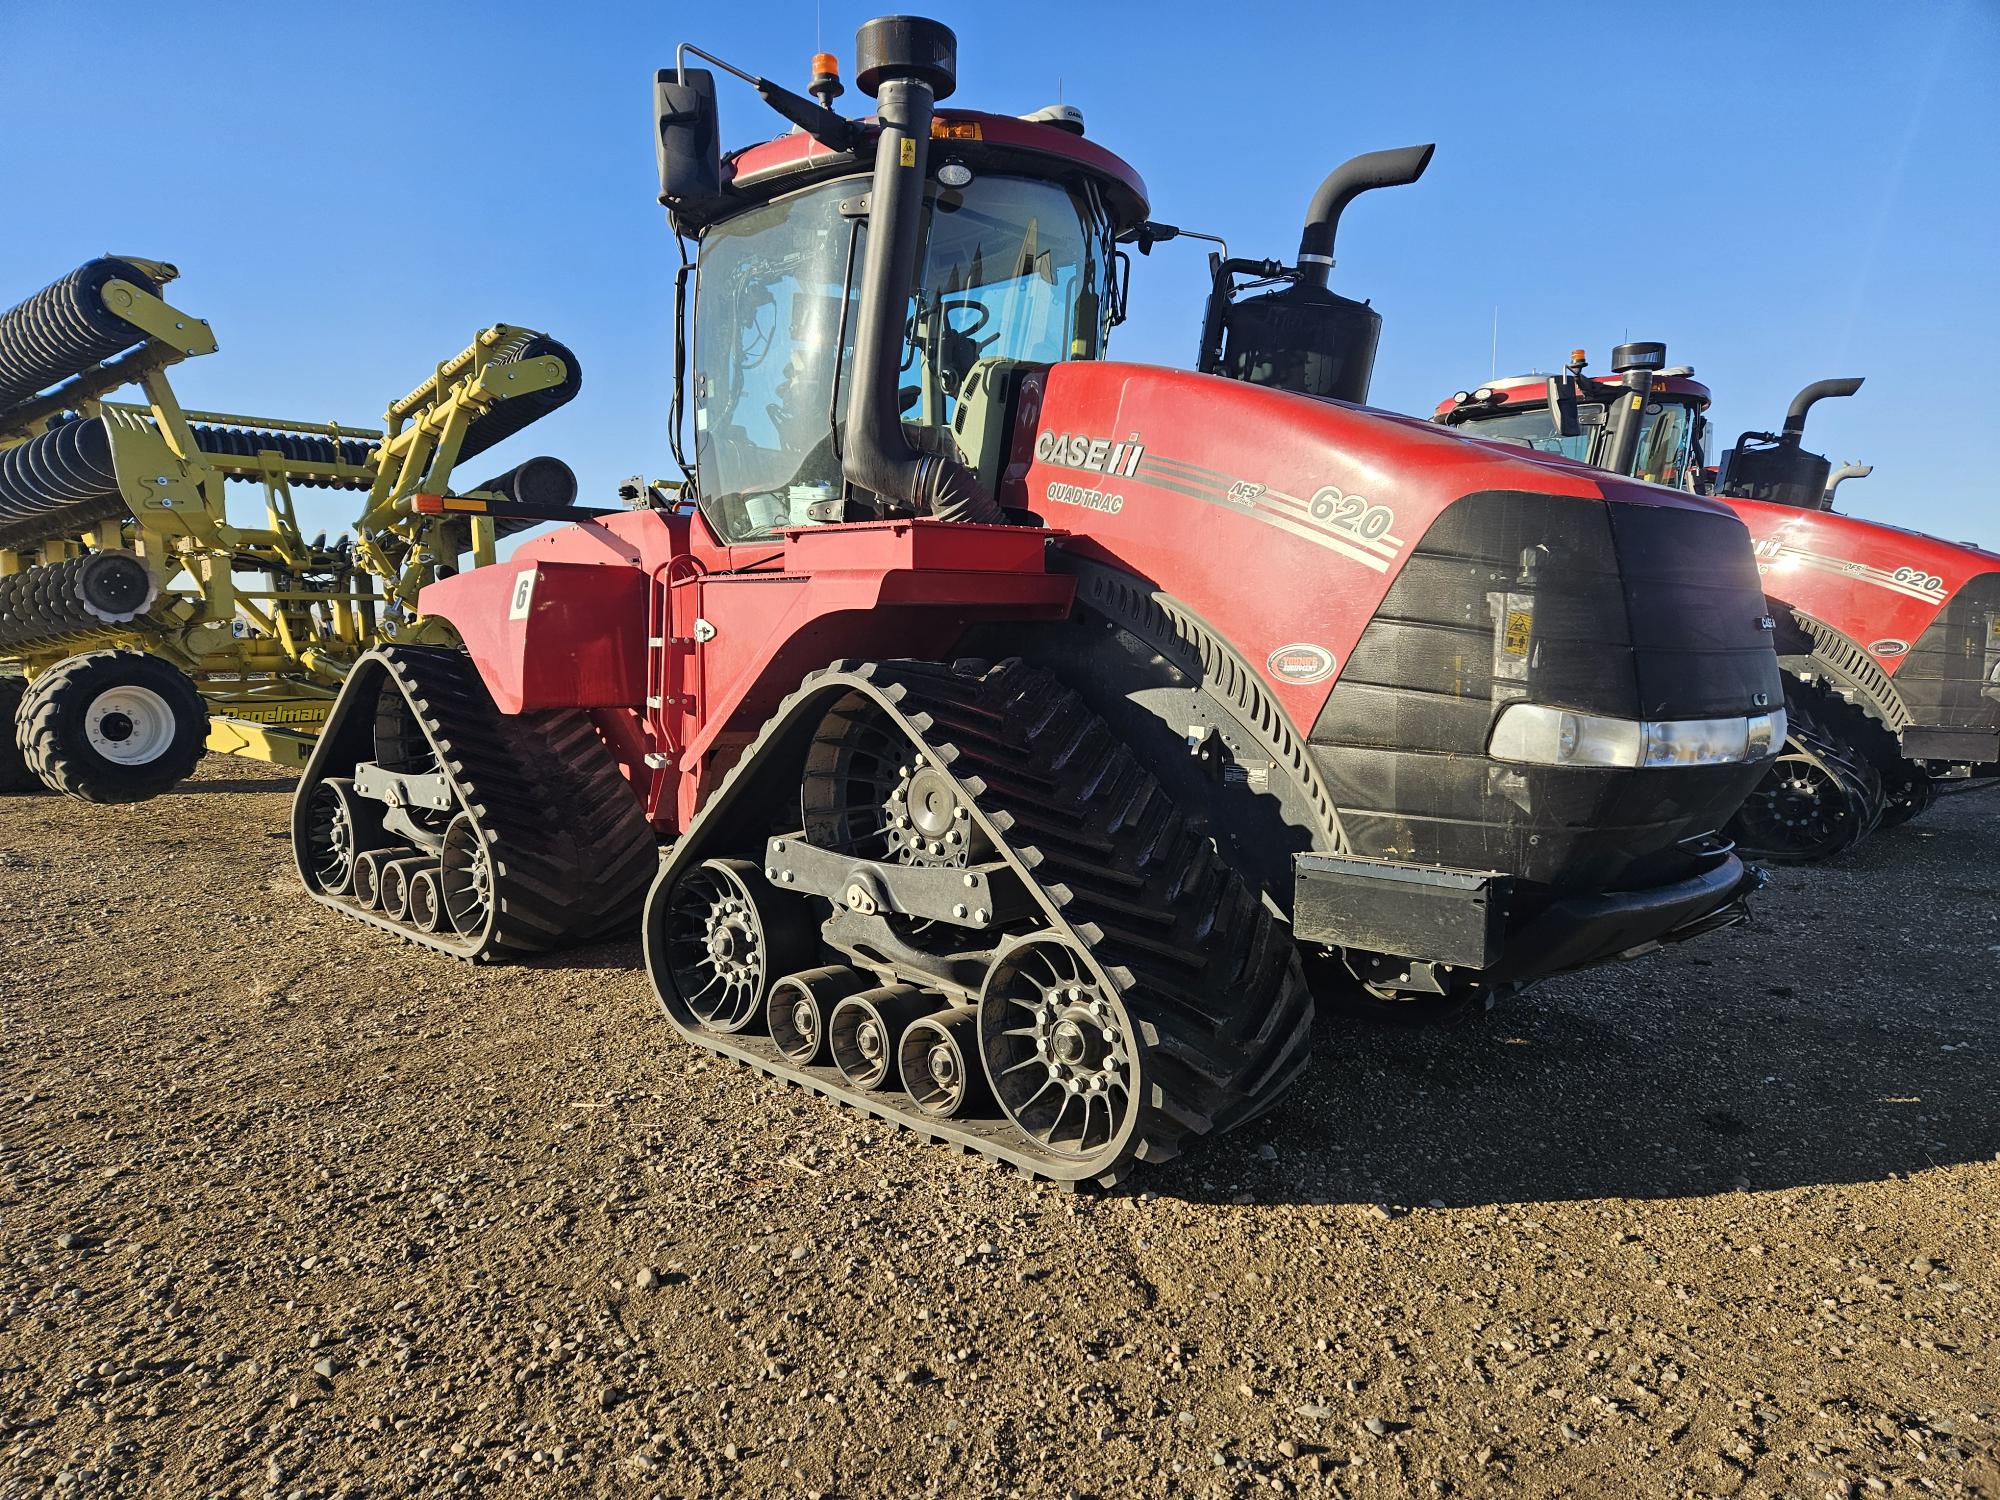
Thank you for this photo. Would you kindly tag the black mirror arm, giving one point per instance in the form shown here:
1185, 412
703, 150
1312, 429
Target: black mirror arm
833, 131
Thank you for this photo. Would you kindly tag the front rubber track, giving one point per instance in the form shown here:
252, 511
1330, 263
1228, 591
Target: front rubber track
1206, 970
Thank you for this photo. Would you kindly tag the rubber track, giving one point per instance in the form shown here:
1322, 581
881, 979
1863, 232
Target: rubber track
1206, 970
1849, 766
570, 848
1906, 787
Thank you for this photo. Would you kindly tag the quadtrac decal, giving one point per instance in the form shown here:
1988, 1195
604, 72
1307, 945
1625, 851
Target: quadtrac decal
1350, 525
1773, 556
1094, 455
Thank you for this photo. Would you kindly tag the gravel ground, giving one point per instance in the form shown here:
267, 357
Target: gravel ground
290, 1208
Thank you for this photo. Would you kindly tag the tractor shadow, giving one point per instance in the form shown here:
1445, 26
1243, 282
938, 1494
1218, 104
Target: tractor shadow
1850, 1034
223, 785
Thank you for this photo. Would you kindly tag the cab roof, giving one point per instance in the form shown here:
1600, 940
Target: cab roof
1532, 390
990, 141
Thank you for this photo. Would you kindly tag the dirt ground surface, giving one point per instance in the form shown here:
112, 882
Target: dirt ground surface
290, 1208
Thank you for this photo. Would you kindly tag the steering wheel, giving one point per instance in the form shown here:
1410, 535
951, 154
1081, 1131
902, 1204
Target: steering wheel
983, 316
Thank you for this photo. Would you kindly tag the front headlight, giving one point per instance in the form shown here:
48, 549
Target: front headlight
1537, 734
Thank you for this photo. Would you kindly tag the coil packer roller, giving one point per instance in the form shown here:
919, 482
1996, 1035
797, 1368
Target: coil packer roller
1038, 738
253, 623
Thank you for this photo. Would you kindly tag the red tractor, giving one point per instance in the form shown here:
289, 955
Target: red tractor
1033, 736
1890, 639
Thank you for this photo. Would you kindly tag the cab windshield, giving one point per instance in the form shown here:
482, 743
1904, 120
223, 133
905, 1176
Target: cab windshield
1665, 454
1011, 268
1532, 427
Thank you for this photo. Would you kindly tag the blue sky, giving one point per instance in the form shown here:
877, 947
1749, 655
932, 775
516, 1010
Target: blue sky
1780, 191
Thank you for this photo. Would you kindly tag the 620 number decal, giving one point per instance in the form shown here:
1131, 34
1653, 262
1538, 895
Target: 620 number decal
1352, 513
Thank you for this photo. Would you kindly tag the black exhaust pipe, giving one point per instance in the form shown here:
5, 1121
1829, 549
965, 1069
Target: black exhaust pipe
907, 63
1819, 390
1348, 181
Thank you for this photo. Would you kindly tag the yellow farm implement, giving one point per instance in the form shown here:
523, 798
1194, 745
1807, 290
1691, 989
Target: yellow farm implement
139, 622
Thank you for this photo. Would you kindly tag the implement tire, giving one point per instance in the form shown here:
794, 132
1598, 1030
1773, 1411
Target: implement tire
112, 726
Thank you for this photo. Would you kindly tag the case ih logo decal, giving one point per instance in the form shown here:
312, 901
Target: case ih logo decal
1302, 663
1773, 556
1098, 455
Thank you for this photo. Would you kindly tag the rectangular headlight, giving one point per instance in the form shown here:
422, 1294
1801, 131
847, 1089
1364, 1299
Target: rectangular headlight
1538, 734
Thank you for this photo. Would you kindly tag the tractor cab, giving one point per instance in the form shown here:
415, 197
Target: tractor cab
814, 400
1647, 421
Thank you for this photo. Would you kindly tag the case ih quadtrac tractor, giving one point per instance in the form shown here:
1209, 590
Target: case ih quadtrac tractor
1890, 639
1026, 727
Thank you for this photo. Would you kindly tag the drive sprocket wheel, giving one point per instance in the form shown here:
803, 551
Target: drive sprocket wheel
869, 790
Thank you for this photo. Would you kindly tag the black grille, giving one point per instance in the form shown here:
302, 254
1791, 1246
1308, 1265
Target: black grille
1631, 610
1951, 677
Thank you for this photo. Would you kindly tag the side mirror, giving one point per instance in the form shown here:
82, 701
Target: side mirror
689, 143
1562, 406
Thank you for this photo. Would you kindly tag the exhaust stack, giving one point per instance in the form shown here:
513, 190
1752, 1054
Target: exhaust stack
1303, 337
907, 64
1774, 466
1345, 183
1804, 401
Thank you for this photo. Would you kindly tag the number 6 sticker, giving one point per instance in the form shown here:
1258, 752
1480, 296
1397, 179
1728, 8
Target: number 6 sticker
524, 594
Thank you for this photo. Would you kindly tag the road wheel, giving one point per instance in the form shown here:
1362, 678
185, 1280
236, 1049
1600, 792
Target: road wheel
112, 726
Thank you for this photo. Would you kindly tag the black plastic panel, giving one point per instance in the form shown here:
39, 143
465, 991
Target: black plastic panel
1951, 678
1635, 611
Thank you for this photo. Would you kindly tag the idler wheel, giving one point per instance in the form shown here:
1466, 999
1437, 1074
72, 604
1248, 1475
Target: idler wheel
728, 939
465, 877
1801, 810
1059, 1049
339, 825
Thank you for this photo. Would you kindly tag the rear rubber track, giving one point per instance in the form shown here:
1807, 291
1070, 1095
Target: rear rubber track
567, 844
